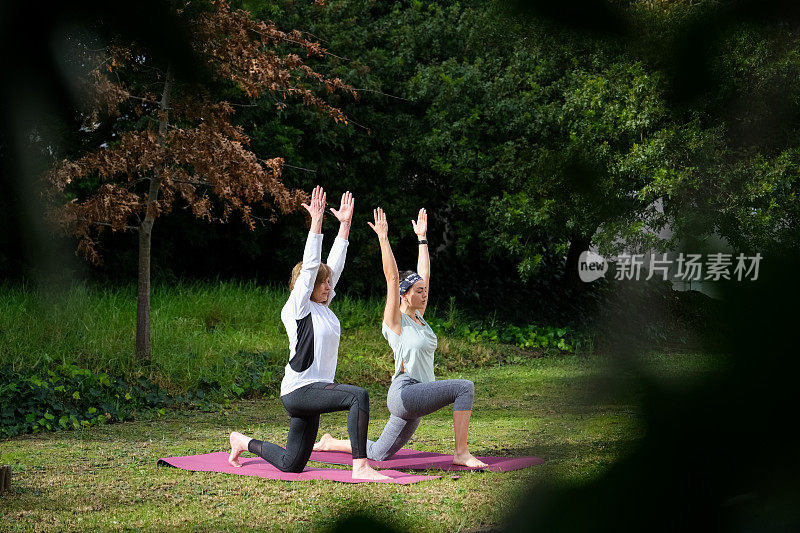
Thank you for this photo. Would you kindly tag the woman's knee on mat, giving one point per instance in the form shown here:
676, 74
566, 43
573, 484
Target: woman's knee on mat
376, 454
379, 456
294, 463
295, 467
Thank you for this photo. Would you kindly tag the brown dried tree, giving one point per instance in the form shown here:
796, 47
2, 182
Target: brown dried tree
188, 149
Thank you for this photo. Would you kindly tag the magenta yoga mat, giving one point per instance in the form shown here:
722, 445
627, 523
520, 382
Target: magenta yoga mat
218, 462
416, 460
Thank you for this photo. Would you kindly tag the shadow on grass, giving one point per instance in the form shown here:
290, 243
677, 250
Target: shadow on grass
362, 516
556, 451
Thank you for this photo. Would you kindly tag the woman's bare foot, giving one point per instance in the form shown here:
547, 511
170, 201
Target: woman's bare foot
328, 444
324, 443
469, 460
239, 444
362, 470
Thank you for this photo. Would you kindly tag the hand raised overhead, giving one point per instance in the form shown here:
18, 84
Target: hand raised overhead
421, 224
381, 227
317, 207
345, 212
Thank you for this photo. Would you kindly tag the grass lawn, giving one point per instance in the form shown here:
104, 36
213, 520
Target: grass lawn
566, 410
206, 332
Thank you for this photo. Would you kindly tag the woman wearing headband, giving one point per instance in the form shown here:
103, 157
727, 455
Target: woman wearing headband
414, 391
308, 389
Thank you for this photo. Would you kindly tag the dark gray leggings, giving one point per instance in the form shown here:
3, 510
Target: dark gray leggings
304, 405
408, 401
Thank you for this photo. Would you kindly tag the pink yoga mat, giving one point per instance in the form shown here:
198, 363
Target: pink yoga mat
218, 462
415, 460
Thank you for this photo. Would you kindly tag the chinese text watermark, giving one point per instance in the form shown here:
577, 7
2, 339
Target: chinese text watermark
687, 267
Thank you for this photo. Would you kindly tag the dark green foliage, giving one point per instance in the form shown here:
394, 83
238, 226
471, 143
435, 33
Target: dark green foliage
715, 450
69, 397
528, 134
531, 336
53, 397
258, 374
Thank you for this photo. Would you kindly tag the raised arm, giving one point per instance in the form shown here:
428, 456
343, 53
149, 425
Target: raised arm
312, 256
339, 249
424, 258
316, 209
391, 313
345, 214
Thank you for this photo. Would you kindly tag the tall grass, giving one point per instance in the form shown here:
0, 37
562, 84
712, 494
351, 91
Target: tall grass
204, 335
195, 328
73, 325
201, 332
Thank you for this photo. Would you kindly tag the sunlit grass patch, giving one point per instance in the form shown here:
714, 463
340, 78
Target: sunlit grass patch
105, 477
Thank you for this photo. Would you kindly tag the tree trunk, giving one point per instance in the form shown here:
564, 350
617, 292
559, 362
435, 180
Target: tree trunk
570, 278
146, 233
143, 295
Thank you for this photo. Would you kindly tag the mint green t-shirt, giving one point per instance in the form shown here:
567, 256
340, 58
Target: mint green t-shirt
413, 348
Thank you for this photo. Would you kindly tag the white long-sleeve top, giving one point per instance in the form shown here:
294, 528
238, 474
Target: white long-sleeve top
313, 329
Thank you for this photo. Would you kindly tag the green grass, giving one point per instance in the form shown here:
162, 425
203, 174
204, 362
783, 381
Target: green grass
200, 332
194, 328
579, 414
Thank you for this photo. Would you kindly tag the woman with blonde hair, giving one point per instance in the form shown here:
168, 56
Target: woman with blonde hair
308, 388
414, 391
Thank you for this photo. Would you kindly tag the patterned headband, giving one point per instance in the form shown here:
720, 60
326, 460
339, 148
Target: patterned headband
406, 283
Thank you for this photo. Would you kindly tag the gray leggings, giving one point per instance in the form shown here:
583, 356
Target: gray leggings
408, 401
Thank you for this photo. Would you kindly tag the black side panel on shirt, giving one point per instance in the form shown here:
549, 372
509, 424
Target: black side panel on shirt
304, 351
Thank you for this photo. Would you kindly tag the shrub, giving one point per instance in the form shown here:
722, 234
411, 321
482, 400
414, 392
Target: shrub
69, 397
532, 336
65, 396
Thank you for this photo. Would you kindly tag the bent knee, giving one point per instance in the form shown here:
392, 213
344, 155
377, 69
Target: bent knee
362, 397
466, 394
374, 454
294, 468
380, 457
